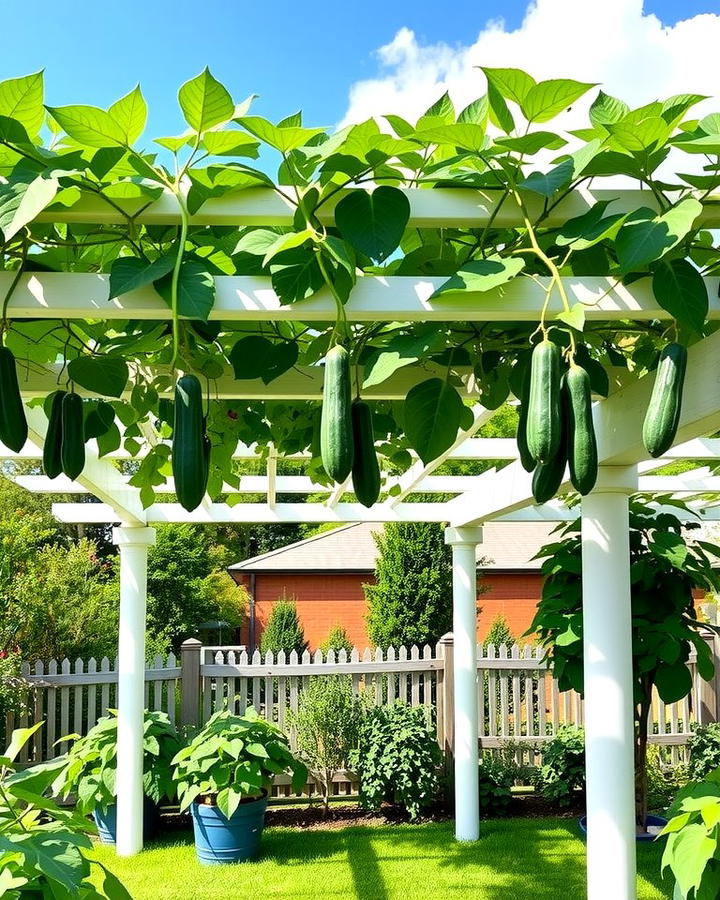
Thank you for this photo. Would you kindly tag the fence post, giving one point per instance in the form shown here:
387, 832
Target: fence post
190, 681
710, 690
446, 699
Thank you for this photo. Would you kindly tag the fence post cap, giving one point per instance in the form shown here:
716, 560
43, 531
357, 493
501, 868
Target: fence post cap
191, 644
447, 638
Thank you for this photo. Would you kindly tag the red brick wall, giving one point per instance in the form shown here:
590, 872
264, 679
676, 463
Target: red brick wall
324, 600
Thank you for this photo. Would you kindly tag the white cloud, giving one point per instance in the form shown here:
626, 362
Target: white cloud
632, 55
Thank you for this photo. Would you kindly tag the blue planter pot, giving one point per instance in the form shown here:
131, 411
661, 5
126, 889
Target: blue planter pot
106, 822
650, 820
219, 840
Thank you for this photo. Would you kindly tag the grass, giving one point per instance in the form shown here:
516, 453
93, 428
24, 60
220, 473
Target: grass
542, 859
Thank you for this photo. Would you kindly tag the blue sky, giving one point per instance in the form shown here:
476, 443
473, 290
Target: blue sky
294, 55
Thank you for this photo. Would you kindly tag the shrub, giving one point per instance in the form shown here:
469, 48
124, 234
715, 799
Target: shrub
337, 640
494, 782
90, 767
45, 851
327, 724
704, 750
397, 759
663, 782
499, 633
283, 630
563, 768
232, 758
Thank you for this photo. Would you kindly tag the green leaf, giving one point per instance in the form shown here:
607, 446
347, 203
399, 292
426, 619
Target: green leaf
20, 737
130, 113
248, 356
128, 273
196, 290
574, 317
230, 143
476, 112
373, 223
258, 242
589, 228
287, 242
205, 102
482, 275
433, 411
548, 98
533, 142
605, 109
638, 137
680, 289
570, 168
297, 277
500, 115
673, 682
283, 139
401, 351
513, 84
467, 135
691, 850
105, 375
21, 201
22, 99
89, 125
646, 236
109, 441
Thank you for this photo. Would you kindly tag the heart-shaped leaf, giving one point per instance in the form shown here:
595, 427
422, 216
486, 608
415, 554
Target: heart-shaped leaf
680, 289
373, 222
482, 275
433, 413
105, 375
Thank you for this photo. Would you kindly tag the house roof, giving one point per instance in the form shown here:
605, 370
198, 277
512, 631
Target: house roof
351, 548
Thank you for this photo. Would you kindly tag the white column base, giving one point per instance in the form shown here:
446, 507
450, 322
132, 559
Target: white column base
133, 545
466, 754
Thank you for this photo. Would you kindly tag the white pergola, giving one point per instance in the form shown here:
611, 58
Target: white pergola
499, 494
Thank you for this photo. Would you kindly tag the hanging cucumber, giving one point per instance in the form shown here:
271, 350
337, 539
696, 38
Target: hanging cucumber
52, 459
543, 416
548, 477
13, 424
663, 412
526, 458
581, 443
189, 454
336, 431
365, 468
72, 446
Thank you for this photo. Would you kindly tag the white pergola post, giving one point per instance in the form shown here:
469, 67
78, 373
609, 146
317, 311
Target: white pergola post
133, 546
467, 802
609, 728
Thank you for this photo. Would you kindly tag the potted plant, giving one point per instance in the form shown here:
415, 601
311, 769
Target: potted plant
692, 851
90, 771
224, 775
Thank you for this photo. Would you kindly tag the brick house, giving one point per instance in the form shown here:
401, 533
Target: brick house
324, 574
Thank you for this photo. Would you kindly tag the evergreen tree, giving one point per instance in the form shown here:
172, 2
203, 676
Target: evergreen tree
411, 601
283, 630
499, 633
336, 641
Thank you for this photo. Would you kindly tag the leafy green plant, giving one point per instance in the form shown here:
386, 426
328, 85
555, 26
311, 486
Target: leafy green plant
327, 724
283, 630
336, 641
45, 851
663, 781
499, 633
562, 774
90, 765
495, 780
692, 851
234, 758
704, 750
665, 568
397, 759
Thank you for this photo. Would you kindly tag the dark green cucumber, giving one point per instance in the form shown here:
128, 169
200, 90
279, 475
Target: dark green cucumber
13, 424
548, 477
581, 443
526, 458
189, 455
663, 412
52, 459
543, 416
72, 445
336, 432
365, 468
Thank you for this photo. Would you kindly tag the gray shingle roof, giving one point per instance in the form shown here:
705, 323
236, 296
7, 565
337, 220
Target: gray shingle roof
351, 548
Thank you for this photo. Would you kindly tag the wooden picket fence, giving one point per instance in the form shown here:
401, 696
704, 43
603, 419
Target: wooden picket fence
519, 704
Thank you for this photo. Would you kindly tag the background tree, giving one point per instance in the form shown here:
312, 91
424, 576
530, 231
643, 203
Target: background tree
664, 570
283, 630
336, 640
411, 601
499, 633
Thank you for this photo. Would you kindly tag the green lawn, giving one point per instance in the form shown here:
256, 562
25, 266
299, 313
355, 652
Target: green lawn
532, 859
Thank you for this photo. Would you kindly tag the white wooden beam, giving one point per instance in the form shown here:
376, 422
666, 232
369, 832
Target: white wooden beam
70, 295
272, 476
258, 513
418, 472
428, 208
299, 383
99, 476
